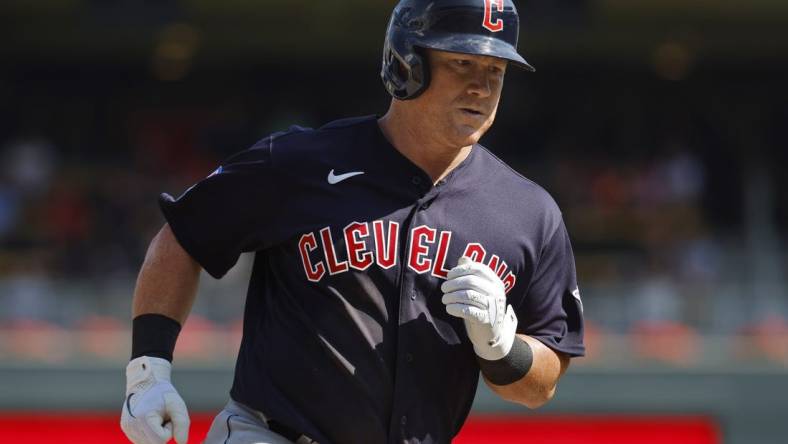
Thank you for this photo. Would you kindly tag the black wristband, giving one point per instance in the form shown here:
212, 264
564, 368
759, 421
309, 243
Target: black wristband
512, 367
154, 335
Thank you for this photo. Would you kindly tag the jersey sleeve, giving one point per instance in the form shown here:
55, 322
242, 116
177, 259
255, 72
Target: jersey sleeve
552, 310
228, 212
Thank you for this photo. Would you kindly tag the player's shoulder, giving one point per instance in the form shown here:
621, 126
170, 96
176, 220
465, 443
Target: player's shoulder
539, 213
349, 123
503, 176
299, 144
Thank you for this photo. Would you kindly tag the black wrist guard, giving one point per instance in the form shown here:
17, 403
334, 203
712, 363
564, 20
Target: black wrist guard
512, 367
154, 335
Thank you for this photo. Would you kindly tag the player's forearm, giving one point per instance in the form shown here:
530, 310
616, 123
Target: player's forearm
538, 386
167, 282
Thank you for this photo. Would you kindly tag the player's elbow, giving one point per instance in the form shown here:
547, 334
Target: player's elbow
539, 398
532, 397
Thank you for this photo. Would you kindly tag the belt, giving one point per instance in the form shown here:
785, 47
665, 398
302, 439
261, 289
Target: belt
292, 435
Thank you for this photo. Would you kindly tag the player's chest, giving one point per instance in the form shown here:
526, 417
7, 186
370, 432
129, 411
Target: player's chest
420, 239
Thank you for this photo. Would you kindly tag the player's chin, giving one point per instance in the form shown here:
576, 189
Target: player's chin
469, 134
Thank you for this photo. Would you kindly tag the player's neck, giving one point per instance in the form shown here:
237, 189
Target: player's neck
420, 146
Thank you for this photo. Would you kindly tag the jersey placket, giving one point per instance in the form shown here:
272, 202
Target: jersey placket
405, 409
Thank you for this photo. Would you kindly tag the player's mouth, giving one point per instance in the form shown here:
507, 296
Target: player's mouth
472, 112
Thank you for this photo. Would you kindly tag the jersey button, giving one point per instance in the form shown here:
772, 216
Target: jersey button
413, 296
408, 358
403, 420
416, 180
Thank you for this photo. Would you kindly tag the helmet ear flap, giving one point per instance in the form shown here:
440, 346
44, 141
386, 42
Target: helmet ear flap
405, 78
419, 72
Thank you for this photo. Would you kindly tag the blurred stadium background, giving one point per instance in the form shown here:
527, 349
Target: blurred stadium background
660, 127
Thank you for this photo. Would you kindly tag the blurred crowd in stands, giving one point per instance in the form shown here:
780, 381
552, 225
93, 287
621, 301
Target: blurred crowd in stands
659, 212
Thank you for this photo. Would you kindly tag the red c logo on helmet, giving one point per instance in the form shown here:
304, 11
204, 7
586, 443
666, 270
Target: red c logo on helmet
488, 23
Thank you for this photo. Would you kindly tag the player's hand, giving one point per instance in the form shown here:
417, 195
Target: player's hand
153, 410
474, 293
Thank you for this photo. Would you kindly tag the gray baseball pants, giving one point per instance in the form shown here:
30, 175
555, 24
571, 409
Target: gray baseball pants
240, 424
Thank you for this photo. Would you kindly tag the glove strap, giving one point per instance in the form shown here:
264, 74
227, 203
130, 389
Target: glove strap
147, 370
512, 367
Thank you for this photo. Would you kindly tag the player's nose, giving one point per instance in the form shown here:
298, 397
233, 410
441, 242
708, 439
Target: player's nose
480, 84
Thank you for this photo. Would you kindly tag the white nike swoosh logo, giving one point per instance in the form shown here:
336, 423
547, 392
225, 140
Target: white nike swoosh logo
334, 179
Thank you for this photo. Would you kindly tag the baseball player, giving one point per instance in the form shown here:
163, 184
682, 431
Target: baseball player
395, 260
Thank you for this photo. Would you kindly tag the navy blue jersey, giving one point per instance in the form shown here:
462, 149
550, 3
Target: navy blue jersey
345, 337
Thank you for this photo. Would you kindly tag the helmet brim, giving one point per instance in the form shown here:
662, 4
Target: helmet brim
475, 44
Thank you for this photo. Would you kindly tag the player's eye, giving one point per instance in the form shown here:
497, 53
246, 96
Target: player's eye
496, 69
462, 62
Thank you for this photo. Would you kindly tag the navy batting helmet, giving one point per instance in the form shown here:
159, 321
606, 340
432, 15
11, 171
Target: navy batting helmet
482, 27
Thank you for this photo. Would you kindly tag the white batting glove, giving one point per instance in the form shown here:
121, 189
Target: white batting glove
153, 411
474, 293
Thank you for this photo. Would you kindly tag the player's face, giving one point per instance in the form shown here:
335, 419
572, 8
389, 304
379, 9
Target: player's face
462, 99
